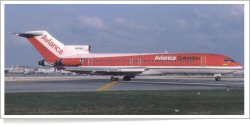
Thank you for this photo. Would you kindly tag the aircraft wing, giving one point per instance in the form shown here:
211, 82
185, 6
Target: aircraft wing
107, 71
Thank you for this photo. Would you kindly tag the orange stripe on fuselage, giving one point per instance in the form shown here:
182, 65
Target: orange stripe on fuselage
46, 53
147, 60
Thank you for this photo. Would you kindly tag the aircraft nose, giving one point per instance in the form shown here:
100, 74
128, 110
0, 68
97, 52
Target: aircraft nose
239, 65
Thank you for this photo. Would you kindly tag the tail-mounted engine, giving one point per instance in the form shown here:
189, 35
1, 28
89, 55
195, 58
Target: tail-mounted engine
69, 62
62, 62
44, 63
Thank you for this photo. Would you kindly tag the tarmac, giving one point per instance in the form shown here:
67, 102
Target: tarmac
103, 83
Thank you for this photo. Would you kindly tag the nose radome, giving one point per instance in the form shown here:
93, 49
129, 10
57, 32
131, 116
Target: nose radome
239, 65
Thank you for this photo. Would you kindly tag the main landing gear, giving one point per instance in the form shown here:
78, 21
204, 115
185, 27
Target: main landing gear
125, 78
114, 78
217, 77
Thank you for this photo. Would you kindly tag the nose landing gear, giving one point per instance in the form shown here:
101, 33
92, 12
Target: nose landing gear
217, 77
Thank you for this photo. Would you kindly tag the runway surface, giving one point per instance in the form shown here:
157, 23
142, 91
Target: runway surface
62, 84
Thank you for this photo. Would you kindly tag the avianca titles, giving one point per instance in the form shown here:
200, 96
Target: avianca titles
78, 58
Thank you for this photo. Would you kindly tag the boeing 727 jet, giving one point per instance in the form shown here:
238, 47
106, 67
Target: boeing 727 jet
78, 58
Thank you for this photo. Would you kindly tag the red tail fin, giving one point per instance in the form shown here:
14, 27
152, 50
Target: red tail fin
50, 48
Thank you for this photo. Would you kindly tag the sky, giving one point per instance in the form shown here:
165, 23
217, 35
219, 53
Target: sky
128, 28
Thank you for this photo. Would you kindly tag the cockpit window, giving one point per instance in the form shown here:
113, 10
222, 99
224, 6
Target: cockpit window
229, 60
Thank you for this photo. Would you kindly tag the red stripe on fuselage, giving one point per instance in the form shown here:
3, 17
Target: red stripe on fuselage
197, 59
46, 53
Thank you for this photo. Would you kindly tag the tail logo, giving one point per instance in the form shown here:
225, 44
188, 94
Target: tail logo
52, 44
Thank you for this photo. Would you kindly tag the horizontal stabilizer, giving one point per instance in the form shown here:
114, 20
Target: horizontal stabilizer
28, 34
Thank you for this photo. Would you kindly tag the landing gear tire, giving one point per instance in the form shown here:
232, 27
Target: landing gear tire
114, 78
217, 78
126, 78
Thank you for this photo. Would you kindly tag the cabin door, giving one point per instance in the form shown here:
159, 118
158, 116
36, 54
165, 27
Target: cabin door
139, 62
203, 61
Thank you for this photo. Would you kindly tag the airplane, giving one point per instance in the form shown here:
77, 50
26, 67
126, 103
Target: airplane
79, 59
